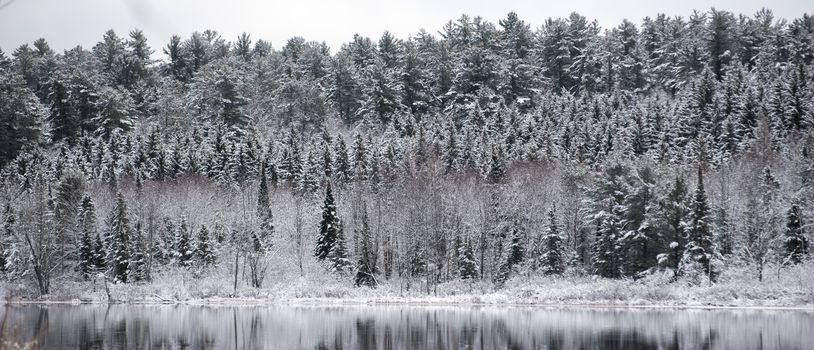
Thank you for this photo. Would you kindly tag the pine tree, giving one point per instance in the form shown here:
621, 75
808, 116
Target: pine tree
338, 256
796, 243
184, 248
328, 228
672, 215
120, 234
68, 200
605, 257
9, 244
342, 168
233, 101
497, 166
552, 257
137, 266
264, 213
360, 159
467, 266
366, 267
21, 117
9, 220
114, 110
205, 251
86, 223
611, 189
639, 239
451, 151
308, 178
62, 117
700, 246
517, 250
763, 223
99, 261
503, 273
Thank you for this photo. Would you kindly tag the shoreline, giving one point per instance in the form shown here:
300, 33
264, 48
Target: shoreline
412, 302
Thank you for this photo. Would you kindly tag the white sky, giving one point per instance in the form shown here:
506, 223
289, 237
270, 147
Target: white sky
66, 23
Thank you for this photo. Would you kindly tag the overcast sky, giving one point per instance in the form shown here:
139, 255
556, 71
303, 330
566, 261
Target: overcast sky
66, 23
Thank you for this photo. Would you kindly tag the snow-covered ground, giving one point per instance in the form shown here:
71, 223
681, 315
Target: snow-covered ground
791, 287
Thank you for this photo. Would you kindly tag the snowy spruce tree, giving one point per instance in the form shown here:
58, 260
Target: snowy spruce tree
551, 254
205, 250
137, 268
338, 255
264, 214
184, 249
119, 233
467, 265
796, 243
366, 268
700, 249
764, 223
328, 227
86, 224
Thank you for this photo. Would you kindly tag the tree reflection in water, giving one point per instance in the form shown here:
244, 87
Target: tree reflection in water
400, 327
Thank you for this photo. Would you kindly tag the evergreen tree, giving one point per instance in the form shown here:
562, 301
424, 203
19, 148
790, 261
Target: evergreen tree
605, 257
137, 266
264, 210
611, 189
497, 166
99, 260
338, 255
120, 233
114, 110
796, 243
63, 120
700, 247
68, 199
517, 250
9, 242
366, 267
763, 223
205, 250
451, 151
467, 266
342, 167
551, 252
328, 228
672, 215
308, 179
184, 252
360, 159
640, 240
21, 117
86, 223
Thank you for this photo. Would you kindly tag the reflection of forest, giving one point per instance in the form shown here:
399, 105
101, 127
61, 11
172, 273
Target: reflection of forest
390, 327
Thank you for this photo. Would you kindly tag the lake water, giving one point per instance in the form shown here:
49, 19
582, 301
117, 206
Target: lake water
401, 327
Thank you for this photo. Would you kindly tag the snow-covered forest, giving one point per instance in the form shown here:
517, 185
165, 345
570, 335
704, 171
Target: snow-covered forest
481, 156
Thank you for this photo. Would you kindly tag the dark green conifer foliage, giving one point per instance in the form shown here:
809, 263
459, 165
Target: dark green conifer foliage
338, 256
796, 243
700, 246
205, 250
120, 233
184, 249
328, 228
366, 268
86, 223
264, 214
467, 265
552, 259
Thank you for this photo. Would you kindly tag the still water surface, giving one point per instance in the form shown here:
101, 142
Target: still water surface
400, 327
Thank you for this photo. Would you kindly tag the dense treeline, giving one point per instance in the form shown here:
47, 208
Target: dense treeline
681, 145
